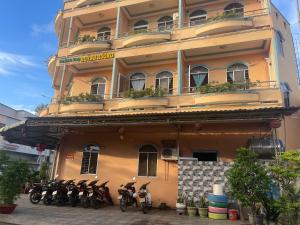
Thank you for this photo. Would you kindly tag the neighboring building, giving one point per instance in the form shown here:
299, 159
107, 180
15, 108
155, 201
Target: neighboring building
297, 50
227, 70
8, 117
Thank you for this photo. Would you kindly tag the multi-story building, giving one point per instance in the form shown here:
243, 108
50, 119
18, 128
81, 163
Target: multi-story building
173, 87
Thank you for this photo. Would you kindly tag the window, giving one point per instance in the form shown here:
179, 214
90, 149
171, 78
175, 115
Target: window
137, 81
279, 42
234, 9
141, 26
198, 76
237, 73
164, 81
165, 23
147, 161
98, 87
104, 34
90, 159
206, 156
285, 87
197, 17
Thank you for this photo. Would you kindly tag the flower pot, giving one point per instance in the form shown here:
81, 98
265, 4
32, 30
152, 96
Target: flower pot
7, 209
192, 211
251, 219
259, 219
203, 212
180, 207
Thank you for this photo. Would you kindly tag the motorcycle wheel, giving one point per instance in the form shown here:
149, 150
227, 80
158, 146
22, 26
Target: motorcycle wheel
35, 198
110, 201
73, 201
123, 204
47, 200
144, 207
84, 202
95, 204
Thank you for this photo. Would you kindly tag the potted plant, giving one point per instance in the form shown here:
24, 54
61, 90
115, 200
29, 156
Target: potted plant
12, 177
203, 207
248, 180
257, 218
180, 205
191, 207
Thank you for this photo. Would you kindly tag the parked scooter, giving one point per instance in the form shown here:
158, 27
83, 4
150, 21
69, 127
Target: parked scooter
86, 193
35, 192
74, 190
127, 196
100, 194
60, 195
47, 195
145, 198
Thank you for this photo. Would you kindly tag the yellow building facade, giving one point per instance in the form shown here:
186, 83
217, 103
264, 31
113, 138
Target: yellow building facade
165, 90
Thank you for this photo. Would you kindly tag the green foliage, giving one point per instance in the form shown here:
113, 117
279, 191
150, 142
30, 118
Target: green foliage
181, 198
33, 177
40, 108
270, 209
82, 97
248, 180
147, 92
285, 173
3, 160
13, 177
44, 171
191, 202
226, 87
86, 38
203, 203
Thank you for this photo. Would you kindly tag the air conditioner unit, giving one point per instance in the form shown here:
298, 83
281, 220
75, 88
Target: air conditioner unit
170, 154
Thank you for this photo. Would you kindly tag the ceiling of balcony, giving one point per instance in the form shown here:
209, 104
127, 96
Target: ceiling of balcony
87, 67
228, 50
151, 7
108, 15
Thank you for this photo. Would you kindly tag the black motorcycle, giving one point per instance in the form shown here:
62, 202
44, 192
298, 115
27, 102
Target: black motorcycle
60, 195
74, 191
47, 194
100, 195
145, 198
86, 193
35, 192
127, 196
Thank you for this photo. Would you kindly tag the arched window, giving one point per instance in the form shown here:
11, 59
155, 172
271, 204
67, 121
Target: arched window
137, 81
141, 26
234, 10
197, 17
165, 23
104, 33
89, 161
98, 87
237, 73
147, 161
164, 81
198, 76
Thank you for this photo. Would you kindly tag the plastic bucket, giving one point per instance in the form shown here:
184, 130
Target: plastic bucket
217, 210
218, 204
217, 198
233, 214
217, 216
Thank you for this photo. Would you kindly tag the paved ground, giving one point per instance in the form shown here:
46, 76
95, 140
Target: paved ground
28, 214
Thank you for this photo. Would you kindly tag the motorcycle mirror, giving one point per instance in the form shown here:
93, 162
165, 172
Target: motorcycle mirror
133, 178
96, 177
56, 176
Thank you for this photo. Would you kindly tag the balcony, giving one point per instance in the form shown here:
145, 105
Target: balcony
51, 65
83, 3
147, 36
89, 44
81, 107
58, 21
143, 103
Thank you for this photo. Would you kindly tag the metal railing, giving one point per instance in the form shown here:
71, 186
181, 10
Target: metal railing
230, 87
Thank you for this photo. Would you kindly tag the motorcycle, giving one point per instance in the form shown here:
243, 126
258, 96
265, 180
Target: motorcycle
127, 196
35, 192
100, 194
60, 195
74, 190
85, 194
145, 198
47, 194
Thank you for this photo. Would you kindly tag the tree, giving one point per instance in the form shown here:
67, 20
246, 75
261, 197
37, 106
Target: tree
44, 171
285, 173
13, 177
248, 180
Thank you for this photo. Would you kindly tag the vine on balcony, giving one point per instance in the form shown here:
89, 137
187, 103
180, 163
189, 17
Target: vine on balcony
147, 92
81, 98
226, 87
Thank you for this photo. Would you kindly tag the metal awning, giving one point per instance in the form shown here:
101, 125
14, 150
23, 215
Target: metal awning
49, 130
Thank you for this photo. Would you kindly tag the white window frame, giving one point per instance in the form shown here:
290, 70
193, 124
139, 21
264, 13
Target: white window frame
192, 67
90, 151
130, 79
98, 85
147, 161
166, 77
141, 27
104, 35
233, 72
199, 17
164, 25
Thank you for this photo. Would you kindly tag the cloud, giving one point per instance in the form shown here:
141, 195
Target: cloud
11, 63
39, 29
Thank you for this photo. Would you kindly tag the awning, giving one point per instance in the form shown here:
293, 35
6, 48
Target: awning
49, 130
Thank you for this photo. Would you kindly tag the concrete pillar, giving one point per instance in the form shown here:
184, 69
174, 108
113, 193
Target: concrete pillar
180, 13
114, 77
70, 32
62, 81
275, 57
119, 23
179, 72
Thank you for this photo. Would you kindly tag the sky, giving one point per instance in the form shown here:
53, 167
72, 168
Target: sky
28, 39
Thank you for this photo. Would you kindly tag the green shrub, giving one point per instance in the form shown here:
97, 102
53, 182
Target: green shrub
147, 92
40, 108
82, 97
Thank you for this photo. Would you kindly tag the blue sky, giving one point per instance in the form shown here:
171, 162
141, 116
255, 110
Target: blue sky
27, 41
